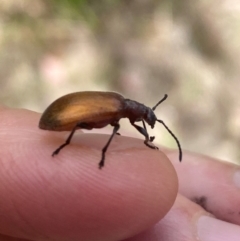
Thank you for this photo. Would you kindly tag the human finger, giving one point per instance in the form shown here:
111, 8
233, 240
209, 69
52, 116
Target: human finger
67, 197
213, 184
188, 221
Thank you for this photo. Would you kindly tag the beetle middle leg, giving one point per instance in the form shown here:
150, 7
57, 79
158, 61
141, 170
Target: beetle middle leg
79, 125
144, 132
115, 129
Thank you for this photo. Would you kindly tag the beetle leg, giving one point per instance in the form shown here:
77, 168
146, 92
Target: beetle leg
144, 132
151, 138
115, 129
79, 125
117, 132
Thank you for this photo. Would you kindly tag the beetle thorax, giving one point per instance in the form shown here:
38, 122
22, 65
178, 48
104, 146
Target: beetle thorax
136, 111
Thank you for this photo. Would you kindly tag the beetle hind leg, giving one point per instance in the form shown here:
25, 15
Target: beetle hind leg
79, 125
66, 142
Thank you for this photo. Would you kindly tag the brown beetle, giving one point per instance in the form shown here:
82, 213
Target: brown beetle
93, 109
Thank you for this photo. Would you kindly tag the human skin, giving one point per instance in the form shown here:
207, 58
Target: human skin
66, 197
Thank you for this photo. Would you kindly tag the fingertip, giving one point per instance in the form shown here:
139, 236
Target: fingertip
138, 183
75, 200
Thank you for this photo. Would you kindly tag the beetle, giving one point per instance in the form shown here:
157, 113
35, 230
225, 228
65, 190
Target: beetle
96, 109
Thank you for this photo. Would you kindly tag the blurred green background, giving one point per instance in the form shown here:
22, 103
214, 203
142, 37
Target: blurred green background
142, 49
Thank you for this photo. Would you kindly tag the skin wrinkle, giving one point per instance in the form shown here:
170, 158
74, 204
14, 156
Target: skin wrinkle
24, 191
18, 217
17, 211
27, 224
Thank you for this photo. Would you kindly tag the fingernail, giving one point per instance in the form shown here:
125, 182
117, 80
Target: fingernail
236, 178
211, 229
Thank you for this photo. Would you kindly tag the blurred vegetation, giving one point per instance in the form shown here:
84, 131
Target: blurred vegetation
140, 48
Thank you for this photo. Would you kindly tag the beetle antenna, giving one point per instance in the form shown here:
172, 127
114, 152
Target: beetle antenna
171, 133
164, 98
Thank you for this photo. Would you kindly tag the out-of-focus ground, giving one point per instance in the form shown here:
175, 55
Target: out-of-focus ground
142, 49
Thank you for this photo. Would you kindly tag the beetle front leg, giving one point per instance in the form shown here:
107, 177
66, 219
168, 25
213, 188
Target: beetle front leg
151, 138
147, 139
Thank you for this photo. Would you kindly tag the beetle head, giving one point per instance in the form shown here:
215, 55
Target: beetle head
150, 117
